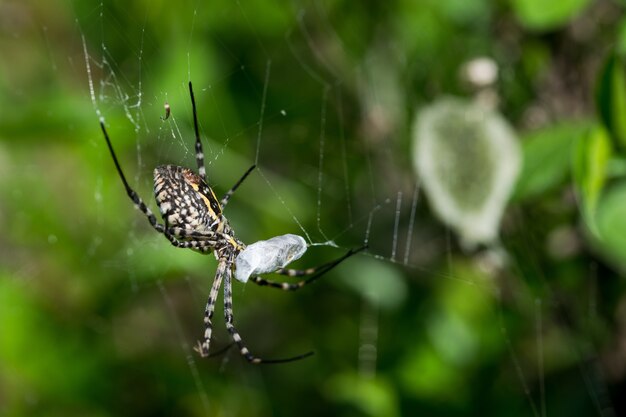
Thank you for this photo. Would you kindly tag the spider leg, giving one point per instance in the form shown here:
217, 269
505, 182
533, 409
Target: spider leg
199, 152
196, 234
315, 272
228, 315
221, 351
141, 206
204, 246
203, 347
237, 184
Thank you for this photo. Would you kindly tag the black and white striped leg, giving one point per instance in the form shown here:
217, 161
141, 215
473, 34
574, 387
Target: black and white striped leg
199, 152
315, 272
203, 347
204, 246
234, 188
228, 315
141, 206
196, 234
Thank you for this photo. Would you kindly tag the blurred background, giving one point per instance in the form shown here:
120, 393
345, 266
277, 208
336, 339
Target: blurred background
477, 147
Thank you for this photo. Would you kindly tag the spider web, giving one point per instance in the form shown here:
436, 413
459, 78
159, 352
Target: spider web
113, 90
356, 190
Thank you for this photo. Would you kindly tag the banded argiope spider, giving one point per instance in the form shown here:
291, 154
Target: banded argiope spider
193, 219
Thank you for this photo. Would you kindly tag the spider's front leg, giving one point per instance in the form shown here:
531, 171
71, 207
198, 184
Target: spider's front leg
237, 184
143, 208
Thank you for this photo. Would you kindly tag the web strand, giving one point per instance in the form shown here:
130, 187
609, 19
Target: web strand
518, 368
344, 156
92, 92
282, 201
320, 171
191, 362
268, 67
395, 226
539, 331
409, 235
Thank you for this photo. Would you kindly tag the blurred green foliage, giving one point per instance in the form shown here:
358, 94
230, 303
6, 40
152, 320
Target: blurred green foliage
98, 314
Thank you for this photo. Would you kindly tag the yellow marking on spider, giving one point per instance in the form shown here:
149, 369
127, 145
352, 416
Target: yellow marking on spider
195, 182
234, 243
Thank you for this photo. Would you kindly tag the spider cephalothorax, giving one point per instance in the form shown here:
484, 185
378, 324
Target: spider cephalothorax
193, 219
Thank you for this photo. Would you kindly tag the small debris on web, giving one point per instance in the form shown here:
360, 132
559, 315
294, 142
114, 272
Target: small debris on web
267, 256
168, 111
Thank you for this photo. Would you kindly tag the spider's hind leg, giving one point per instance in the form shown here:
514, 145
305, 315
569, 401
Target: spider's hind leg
228, 315
203, 347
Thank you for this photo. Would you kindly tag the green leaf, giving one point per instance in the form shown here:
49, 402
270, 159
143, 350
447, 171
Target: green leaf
620, 44
380, 284
591, 157
611, 99
372, 396
547, 158
463, 11
425, 374
546, 15
612, 223
26, 327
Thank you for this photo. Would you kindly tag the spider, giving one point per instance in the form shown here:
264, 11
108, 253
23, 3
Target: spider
193, 219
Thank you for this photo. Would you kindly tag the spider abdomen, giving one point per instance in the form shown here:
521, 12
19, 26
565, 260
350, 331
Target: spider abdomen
185, 200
